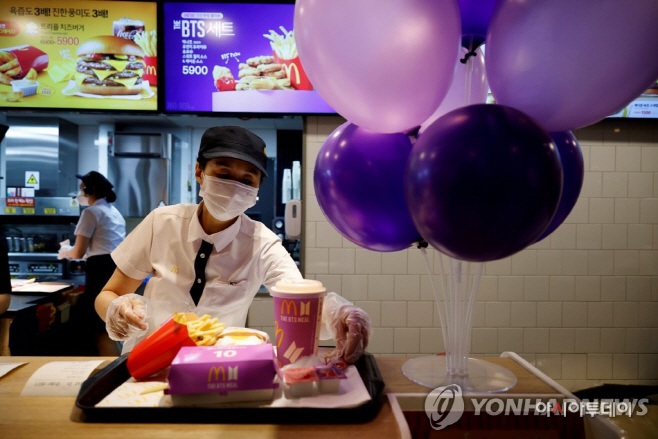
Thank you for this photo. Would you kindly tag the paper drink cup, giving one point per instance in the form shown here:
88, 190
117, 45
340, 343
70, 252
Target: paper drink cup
295, 72
158, 350
297, 313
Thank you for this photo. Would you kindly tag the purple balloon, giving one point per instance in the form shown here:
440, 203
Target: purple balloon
573, 168
475, 16
361, 55
570, 63
483, 182
359, 184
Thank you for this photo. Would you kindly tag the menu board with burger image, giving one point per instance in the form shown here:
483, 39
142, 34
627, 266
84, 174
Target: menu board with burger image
235, 58
99, 55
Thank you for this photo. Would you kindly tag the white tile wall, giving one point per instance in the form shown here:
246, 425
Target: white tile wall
581, 304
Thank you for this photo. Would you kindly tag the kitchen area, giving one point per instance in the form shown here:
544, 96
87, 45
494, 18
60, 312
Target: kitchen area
453, 253
149, 160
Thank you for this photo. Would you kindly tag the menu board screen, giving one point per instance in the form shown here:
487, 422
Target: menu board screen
99, 55
646, 106
236, 58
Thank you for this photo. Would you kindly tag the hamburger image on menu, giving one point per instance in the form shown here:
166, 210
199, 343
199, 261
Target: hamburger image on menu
109, 65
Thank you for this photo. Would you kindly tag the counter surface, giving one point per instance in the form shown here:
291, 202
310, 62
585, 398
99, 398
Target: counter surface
40, 417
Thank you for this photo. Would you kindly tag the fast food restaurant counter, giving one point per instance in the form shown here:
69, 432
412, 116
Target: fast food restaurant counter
26, 417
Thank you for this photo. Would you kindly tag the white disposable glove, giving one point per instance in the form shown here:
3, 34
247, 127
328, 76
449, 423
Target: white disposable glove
349, 325
64, 247
126, 317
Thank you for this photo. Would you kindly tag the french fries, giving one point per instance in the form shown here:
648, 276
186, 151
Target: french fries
148, 41
203, 330
6, 56
31, 74
4, 79
283, 45
9, 96
10, 66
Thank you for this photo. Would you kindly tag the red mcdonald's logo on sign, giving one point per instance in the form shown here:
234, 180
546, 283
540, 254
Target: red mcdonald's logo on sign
289, 68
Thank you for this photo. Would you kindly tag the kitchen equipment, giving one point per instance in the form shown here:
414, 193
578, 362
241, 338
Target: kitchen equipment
139, 168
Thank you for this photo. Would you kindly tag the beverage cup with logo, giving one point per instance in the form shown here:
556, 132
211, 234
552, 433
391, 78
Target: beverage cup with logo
297, 313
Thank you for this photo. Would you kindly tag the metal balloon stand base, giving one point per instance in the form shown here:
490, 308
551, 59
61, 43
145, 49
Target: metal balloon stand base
459, 282
481, 376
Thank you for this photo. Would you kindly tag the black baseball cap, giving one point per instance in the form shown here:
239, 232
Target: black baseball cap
234, 142
95, 179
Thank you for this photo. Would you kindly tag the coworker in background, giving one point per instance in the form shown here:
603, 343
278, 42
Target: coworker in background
100, 230
211, 258
5, 276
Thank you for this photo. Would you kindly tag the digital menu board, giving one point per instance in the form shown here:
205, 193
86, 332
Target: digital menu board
99, 55
646, 106
235, 58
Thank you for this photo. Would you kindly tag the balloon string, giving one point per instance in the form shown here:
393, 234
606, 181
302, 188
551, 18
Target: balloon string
437, 299
467, 56
471, 52
471, 302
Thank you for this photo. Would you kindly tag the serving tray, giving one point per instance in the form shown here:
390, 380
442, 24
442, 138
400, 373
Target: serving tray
100, 385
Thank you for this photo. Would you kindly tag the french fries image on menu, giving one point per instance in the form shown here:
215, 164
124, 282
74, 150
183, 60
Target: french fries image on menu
10, 96
31, 74
203, 330
148, 41
283, 45
8, 65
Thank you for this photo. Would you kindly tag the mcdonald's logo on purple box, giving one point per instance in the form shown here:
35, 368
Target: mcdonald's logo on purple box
208, 369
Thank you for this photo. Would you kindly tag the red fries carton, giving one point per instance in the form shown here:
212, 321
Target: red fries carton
159, 349
28, 57
295, 72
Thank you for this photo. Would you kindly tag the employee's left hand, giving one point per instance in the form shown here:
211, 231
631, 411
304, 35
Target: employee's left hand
63, 252
351, 327
64, 248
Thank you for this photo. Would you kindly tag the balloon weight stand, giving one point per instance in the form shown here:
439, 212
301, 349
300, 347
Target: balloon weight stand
459, 282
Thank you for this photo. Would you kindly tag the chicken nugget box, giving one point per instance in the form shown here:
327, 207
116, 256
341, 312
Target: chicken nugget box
209, 375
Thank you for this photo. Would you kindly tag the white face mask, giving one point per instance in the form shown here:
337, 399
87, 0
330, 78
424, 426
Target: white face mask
226, 199
83, 199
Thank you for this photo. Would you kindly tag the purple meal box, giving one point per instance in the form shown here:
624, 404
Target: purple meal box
210, 369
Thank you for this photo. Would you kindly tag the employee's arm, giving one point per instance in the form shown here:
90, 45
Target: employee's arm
5, 299
118, 285
80, 247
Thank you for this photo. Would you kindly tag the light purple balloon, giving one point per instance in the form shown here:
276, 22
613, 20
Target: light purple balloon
570, 63
458, 95
385, 66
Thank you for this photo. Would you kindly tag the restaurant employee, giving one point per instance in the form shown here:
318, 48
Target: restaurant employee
211, 258
100, 229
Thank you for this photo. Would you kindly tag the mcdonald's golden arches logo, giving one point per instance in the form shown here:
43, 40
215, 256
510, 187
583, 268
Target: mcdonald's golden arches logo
216, 370
288, 305
289, 68
174, 269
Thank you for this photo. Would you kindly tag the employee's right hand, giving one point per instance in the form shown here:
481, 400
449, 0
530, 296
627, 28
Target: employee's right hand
126, 317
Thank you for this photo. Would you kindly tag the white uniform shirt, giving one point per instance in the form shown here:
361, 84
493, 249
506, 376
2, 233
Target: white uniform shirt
165, 244
104, 225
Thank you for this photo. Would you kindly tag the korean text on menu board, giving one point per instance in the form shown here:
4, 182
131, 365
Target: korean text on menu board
78, 54
235, 58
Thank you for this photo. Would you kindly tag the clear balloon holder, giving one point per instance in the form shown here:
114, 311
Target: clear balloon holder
459, 282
